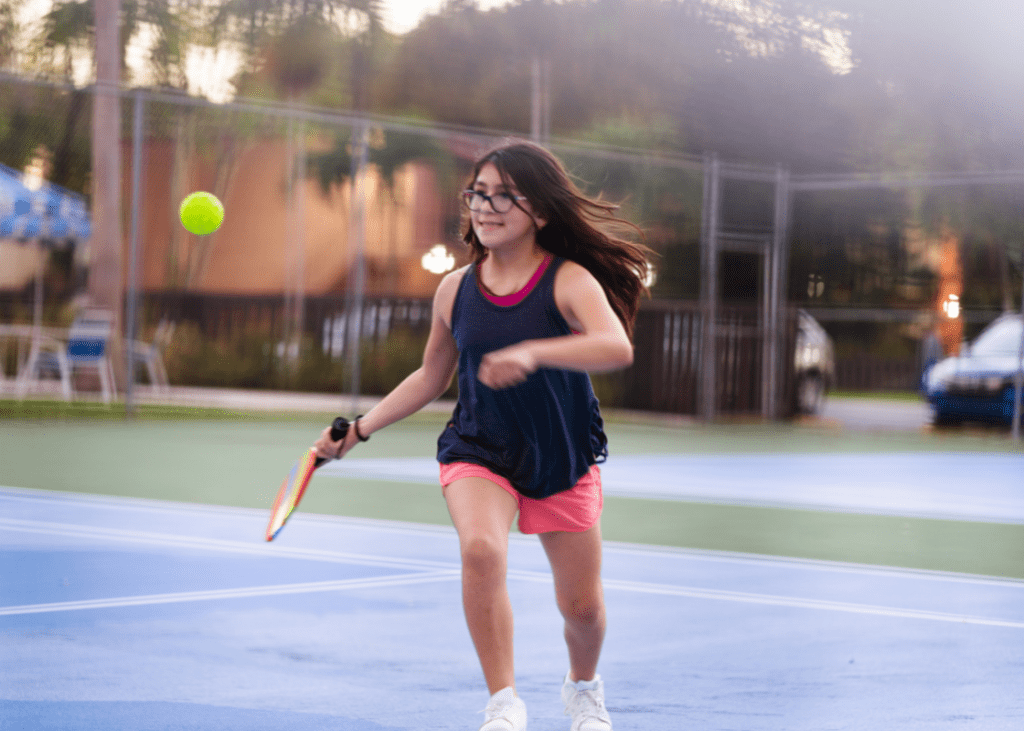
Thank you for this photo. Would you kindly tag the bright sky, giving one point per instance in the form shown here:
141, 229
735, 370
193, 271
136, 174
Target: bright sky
401, 16
208, 70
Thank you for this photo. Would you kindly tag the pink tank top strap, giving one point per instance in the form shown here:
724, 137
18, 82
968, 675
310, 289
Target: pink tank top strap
516, 297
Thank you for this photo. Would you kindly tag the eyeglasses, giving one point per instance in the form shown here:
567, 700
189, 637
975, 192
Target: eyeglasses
500, 202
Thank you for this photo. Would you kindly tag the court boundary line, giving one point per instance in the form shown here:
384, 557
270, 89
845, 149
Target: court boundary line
818, 564
408, 527
806, 603
440, 570
239, 593
641, 587
263, 550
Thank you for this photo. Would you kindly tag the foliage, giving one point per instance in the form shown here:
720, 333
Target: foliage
171, 26
388, 152
34, 119
321, 49
835, 86
254, 361
9, 30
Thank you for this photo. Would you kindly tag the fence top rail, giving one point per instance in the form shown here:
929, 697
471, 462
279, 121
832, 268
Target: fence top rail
484, 137
333, 297
695, 306
481, 136
863, 181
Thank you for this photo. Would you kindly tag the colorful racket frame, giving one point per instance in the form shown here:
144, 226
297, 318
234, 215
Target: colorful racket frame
291, 492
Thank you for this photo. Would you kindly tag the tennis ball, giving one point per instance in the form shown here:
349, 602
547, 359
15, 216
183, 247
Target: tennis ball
201, 213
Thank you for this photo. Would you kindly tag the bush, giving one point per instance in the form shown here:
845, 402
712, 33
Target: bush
258, 362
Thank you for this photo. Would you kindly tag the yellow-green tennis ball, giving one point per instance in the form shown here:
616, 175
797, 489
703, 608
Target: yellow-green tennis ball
201, 213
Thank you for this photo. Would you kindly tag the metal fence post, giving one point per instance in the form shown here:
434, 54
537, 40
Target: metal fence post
1018, 381
709, 285
357, 236
131, 319
779, 263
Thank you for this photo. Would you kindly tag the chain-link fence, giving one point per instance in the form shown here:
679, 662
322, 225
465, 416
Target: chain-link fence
337, 230
339, 226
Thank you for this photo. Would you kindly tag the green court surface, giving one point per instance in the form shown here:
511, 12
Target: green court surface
240, 459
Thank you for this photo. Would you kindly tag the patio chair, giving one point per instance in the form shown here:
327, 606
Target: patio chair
151, 355
86, 347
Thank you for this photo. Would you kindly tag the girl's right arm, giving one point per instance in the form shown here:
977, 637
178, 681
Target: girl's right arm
425, 384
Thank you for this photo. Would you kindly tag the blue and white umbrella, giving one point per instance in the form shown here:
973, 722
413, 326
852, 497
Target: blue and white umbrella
50, 214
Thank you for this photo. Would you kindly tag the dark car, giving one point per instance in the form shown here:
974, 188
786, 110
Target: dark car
815, 364
978, 384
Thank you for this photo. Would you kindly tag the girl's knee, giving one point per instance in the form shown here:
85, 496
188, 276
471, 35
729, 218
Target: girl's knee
483, 554
586, 610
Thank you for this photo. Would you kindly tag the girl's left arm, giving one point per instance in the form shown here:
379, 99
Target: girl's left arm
602, 344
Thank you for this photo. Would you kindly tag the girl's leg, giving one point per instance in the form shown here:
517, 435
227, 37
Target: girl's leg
482, 513
576, 565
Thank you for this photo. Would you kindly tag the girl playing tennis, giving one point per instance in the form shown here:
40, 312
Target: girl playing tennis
551, 294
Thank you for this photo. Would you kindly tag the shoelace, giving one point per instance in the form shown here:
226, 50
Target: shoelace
589, 703
494, 709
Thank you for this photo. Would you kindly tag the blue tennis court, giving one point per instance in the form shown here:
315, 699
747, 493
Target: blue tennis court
122, 613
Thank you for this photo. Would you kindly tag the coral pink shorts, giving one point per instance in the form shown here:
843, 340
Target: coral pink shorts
575, 510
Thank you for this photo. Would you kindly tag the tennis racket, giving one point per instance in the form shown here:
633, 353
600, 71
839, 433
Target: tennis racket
295, 483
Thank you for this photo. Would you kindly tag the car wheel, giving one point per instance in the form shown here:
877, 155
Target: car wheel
810, 393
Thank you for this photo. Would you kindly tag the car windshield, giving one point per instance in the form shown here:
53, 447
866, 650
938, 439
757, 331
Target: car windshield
1002, 338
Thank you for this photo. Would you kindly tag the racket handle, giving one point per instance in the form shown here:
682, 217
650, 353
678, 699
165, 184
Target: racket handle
339, 428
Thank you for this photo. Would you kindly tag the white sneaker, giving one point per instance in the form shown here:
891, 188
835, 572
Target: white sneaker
505, 712
585, 703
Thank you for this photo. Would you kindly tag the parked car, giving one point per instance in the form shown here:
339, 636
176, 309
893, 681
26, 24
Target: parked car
978, 384
815, 363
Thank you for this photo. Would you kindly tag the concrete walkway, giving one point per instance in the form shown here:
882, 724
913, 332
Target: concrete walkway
857, 414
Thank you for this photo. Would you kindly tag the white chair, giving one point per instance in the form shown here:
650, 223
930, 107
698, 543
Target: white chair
151, 354
87, 347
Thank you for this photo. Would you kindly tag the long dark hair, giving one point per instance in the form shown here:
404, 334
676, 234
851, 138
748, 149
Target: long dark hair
582, 229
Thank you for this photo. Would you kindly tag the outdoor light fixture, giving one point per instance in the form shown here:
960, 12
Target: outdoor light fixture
33, 177
952, 306
438, 260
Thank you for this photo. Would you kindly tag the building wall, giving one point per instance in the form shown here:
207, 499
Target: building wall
258, 247
19, 263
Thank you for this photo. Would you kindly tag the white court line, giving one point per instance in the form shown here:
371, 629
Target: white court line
261, 548
213, 544
165, 507
441, 568
242, 593
725, 595
803, 603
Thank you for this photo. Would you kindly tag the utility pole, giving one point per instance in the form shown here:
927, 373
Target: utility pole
106, 279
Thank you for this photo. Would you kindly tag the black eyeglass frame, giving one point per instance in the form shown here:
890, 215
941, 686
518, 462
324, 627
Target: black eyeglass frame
469, 195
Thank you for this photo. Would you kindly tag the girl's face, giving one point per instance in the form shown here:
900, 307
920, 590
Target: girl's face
515, 226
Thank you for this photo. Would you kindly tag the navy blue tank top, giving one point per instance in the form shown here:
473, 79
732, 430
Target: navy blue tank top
542, 435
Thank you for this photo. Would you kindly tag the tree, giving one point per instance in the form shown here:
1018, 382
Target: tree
296, 48
9, 30
68, 31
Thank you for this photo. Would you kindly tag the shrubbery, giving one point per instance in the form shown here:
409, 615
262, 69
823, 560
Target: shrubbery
259, 361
